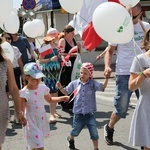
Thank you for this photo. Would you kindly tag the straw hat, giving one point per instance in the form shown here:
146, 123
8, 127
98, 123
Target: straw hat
48, 38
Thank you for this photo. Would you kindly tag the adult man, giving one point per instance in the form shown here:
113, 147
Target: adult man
125, 54
23, 45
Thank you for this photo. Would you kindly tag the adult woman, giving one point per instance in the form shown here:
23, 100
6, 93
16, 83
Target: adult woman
17, 61
67, 42
17, 64
139, 78
51, 68
7, 75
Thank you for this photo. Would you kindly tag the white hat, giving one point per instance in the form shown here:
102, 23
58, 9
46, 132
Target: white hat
52, 31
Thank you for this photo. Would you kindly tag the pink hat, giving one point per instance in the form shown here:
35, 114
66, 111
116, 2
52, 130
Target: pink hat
89, 67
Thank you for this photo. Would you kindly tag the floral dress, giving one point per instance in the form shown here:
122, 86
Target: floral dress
37, 122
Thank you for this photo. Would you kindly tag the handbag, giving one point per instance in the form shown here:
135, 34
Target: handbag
76, 68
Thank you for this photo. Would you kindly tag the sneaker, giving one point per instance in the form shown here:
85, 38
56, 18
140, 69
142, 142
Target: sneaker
71, 143
108, 135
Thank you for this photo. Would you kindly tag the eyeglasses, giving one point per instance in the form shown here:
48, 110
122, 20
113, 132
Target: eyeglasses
8, 38
134, 17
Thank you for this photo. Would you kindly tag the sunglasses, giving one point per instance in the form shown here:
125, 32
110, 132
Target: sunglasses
134, 17
8, 38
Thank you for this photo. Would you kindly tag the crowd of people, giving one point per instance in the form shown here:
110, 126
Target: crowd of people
31, 84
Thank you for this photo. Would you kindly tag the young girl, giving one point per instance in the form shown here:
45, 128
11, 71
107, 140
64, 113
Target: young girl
32, 103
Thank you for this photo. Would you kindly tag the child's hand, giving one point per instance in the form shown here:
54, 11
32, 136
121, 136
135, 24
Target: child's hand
21, 119
98, 57
65, 98
58, 85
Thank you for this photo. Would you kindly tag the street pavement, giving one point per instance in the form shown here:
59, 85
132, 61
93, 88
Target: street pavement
59, 131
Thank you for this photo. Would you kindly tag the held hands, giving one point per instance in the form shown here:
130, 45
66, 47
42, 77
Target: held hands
65, 98
107, 72
21, 118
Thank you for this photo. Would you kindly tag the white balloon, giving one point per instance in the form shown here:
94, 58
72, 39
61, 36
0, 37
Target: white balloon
29, 29
71, 6
130, 3
12, 24
39, 25
6, 7
71, 23
15, 11
8, 50
113, 23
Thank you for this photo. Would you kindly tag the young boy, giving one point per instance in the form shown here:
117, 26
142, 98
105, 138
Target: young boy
84, 103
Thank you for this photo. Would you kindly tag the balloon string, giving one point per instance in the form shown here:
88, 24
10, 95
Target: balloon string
38, 41
83, 19
135, 44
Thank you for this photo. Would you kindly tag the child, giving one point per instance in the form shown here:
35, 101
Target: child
32, 104
84, 103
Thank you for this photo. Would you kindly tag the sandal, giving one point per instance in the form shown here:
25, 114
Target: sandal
17, 122
56, 115
52, 121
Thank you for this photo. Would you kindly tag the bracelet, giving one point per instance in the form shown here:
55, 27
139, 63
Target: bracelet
142, 73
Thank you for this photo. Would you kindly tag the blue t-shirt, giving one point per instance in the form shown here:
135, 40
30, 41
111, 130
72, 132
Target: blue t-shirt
23, 45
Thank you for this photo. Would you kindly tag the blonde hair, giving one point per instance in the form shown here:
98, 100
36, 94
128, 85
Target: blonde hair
146, 41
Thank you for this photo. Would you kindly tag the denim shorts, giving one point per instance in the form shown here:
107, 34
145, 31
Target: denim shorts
122, 95
80, 121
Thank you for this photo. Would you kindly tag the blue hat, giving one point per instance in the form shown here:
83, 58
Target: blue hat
33, 70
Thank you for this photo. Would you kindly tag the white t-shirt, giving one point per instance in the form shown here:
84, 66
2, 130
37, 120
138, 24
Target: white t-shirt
126, 52
17, 55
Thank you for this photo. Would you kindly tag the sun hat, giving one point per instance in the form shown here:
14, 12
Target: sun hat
2, 40
32, 69
89, 67
48, 38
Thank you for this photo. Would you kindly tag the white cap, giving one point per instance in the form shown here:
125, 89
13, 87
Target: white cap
52, 31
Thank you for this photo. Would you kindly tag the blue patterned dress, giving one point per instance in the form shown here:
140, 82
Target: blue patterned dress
51, 71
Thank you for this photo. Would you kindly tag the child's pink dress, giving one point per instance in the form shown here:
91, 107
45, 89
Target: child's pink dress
37, 122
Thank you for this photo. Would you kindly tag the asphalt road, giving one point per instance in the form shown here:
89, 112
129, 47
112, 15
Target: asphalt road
59, 131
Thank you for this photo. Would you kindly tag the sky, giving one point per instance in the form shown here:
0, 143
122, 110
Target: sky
17, 3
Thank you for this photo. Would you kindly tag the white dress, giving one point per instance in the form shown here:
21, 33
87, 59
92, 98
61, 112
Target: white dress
140, 124
37, 122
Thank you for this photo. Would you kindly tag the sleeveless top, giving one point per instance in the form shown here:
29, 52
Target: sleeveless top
68, 47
